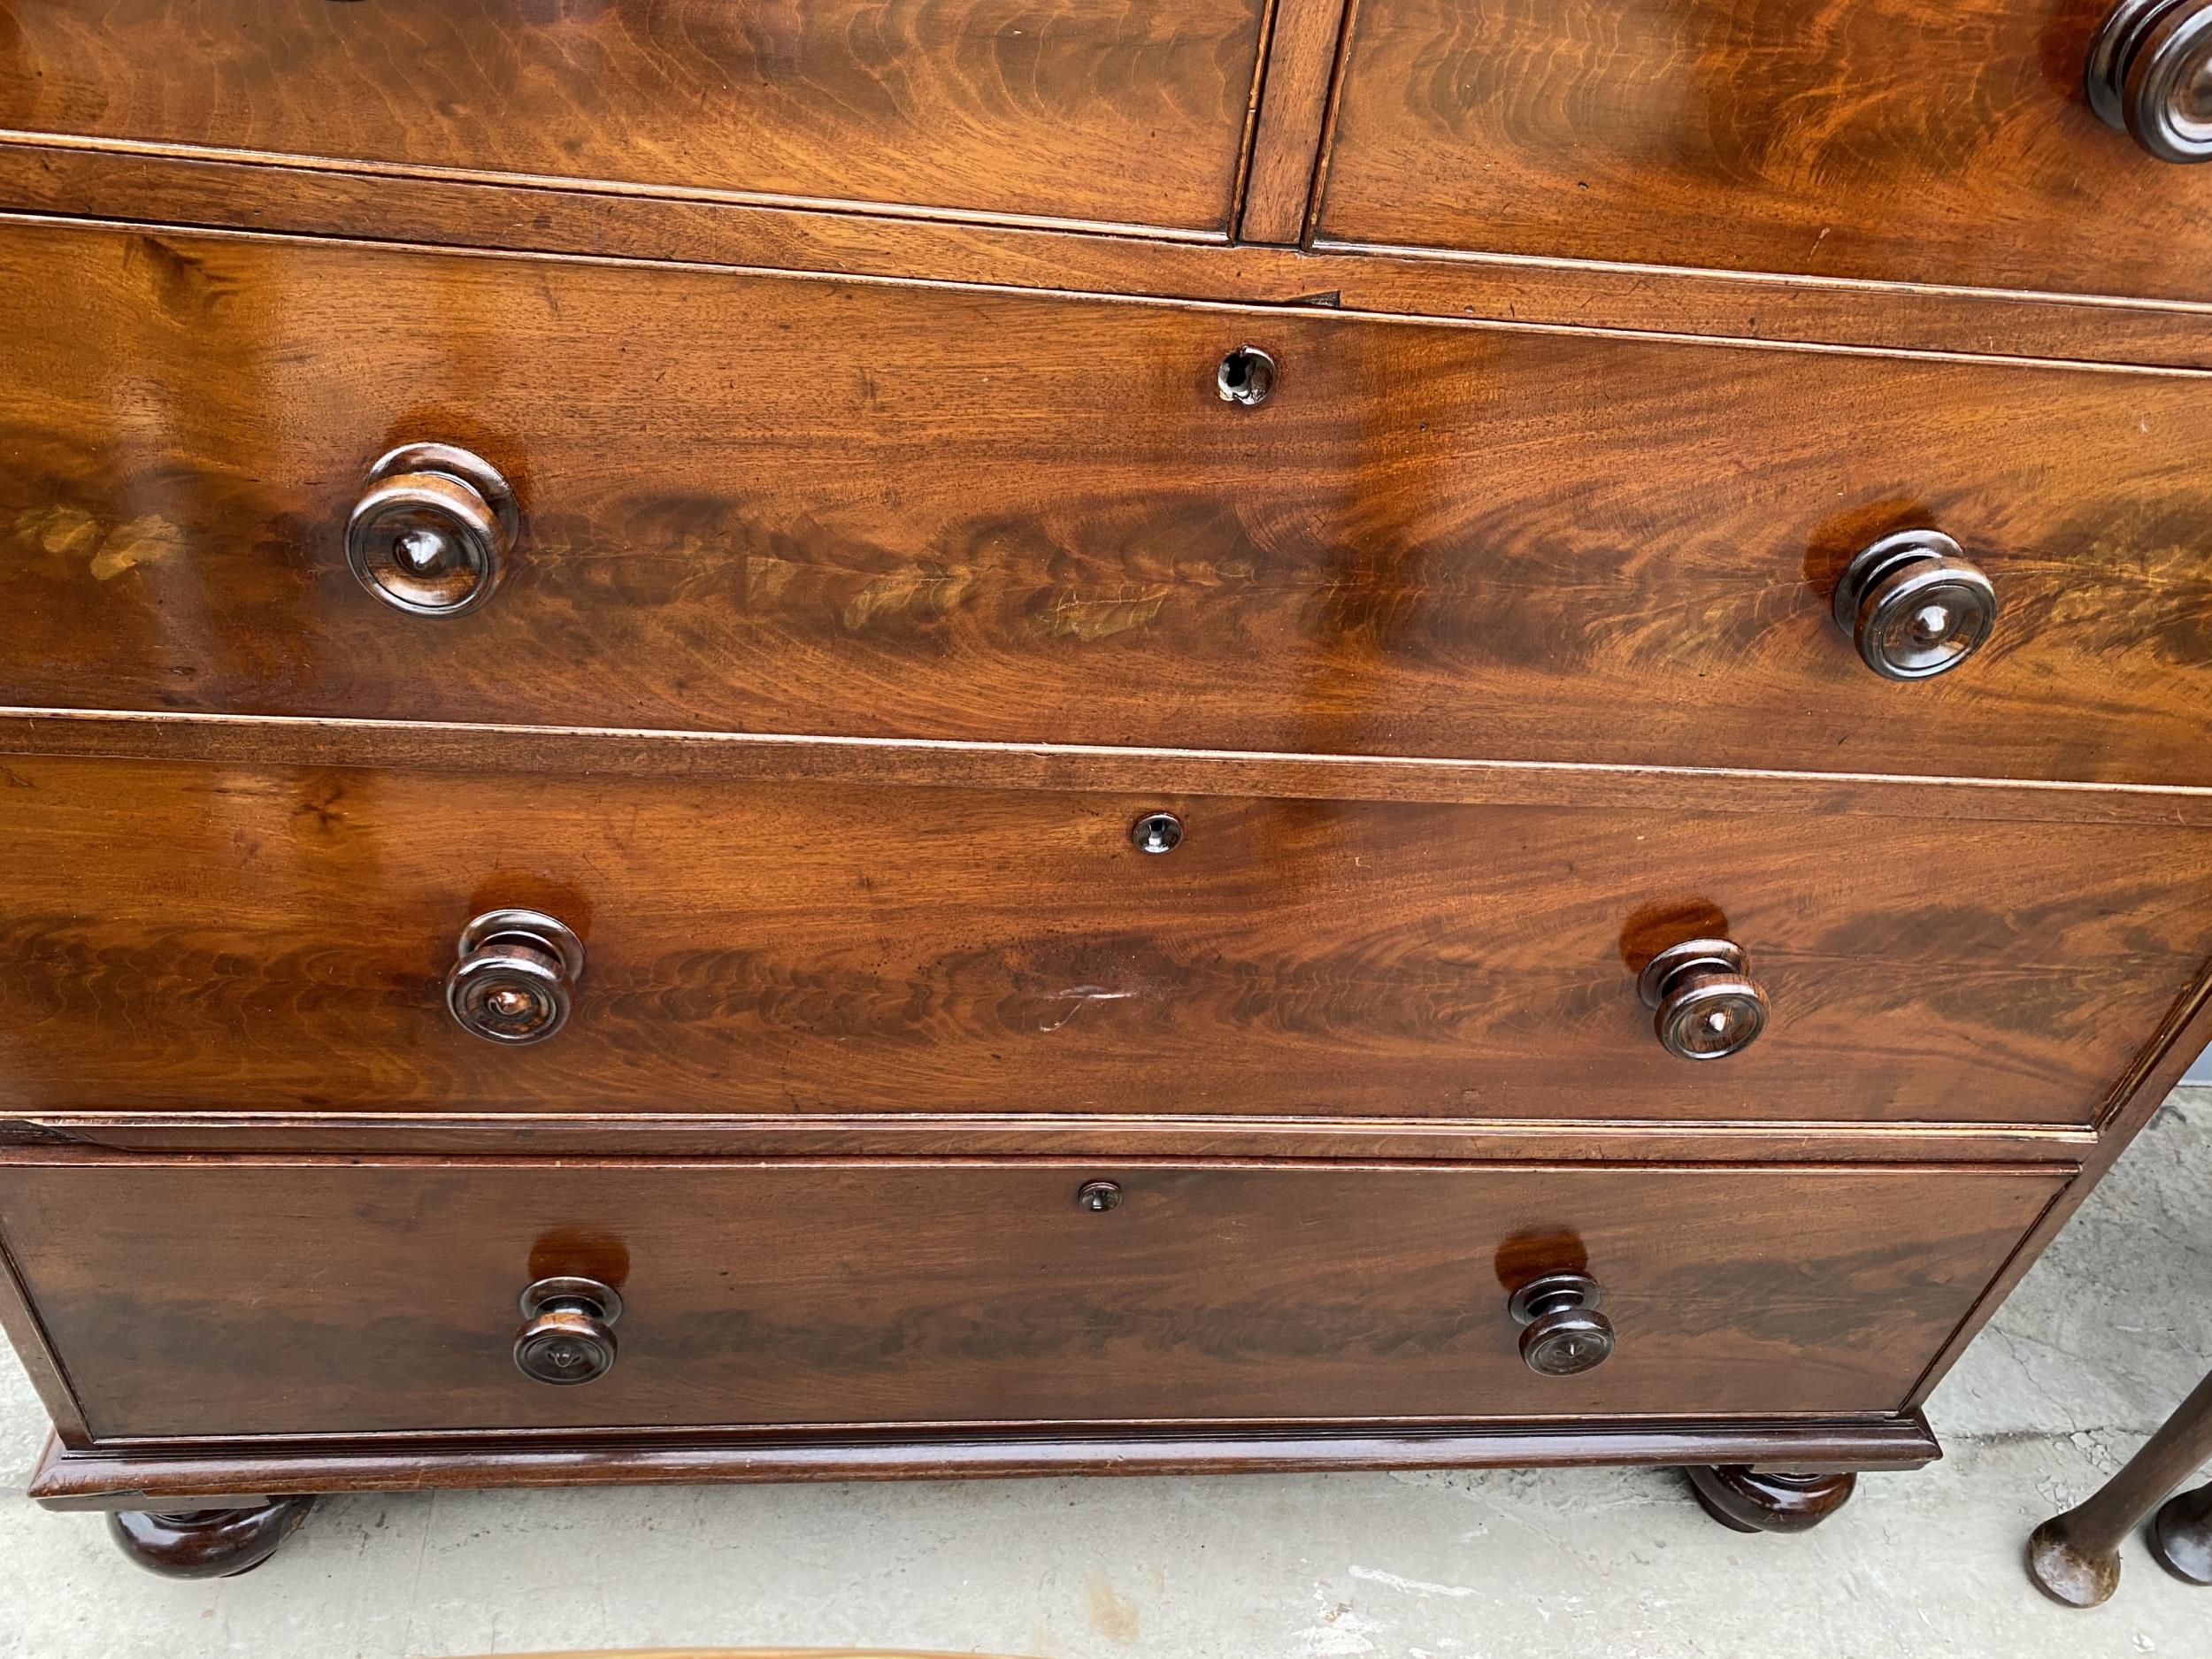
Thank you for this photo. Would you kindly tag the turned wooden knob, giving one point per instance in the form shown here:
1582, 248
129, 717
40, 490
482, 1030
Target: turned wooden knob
2150, 75
1562, 1334
1707, 1005
431, 534
567, 1334
1914, 606
513, 976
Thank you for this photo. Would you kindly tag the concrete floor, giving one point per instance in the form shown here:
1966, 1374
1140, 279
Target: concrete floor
2106, 1334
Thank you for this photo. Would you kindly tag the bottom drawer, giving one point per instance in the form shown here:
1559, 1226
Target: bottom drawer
305, 1297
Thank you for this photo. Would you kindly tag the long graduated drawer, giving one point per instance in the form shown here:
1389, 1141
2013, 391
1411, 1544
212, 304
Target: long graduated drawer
772, 504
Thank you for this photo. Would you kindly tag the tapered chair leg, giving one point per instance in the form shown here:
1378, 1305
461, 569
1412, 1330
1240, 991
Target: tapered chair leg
2181, 1535
2074, 1557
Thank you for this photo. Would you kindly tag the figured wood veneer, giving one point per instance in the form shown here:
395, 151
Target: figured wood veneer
1125, 111
800, 505
1940, 141
282, 1298
853, 618
186, 937
55, 178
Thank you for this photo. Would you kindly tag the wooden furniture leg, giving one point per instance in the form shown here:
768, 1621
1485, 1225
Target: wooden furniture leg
2181, 1535
207, 1543
2074, 1557
1755, 1500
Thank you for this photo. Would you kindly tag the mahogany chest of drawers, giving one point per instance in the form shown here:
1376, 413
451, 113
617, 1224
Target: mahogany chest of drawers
757, 739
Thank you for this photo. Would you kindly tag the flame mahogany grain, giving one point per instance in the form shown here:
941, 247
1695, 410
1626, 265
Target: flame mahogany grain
380, 1298
58, 177
787, 504
200, 938
1941, 142
854, 617
1065, 108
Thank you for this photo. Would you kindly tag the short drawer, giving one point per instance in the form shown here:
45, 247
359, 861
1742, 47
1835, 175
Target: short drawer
784, 504
1060, 108
1946, 141
196, 937
334, 1298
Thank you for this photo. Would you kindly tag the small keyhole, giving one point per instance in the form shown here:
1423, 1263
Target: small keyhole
1098, 1197
1157, 833
1246, 377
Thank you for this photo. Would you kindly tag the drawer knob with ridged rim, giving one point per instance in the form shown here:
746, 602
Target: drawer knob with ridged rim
1707, 1005
2150, 75
1914, 605
514, 975
432, 532
567, 1334
1562, 1334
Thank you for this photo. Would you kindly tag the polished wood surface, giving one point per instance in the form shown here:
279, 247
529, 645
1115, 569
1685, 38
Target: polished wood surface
1013, 1134
808, 506
1301, 54
1751, 1501
2074, 1558
53, 179
195, 938
903, 1116
2180, 1535
781, 757
1944, 141
207, 1543
1131, 111
266, 1298
110, 1477
50, 179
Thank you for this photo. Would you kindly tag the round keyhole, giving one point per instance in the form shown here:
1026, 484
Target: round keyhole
1246, 377
1157, 833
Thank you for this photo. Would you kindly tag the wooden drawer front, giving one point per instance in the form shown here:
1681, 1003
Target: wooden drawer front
303, 1298
1946, 142
1065, 108
184, 937
782, 505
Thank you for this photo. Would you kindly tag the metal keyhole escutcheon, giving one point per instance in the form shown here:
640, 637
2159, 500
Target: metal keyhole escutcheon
1157, 833
1246, 377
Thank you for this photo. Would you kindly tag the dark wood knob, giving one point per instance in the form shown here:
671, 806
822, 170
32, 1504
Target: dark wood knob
431, 534
1914, 605
514, 975
1709, 1005
567, 1334
1562, 1334
2150, 75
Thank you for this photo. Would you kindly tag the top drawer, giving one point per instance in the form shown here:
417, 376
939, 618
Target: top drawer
1919, 141
1074, 109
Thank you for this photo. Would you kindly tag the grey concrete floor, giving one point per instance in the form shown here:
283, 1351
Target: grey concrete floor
2107, 1333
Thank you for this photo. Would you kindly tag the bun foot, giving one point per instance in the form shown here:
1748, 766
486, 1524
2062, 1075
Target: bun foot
1756, 1501
2181, 1536
207, 1543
